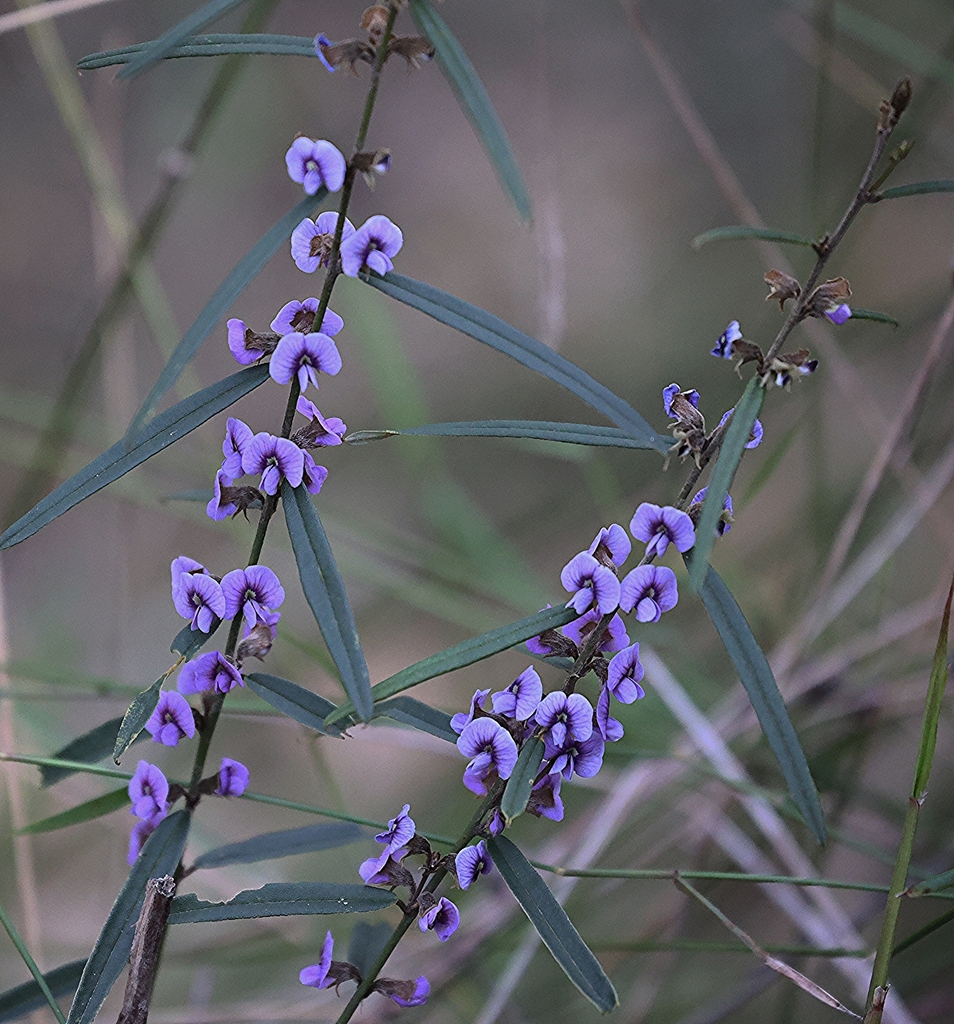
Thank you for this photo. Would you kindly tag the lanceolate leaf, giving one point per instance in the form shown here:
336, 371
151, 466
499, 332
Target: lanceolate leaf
736, 231
159, 433
209, 45
756, 676
137, 714
325, 592
474, 101
477, 323
938, 883
293, 700
309, 839
419, 715
19, 1001
228, 291
569, 433
282, 899
195, 22
88, 811
552, 924
872, 314
188, 641
89, 748
736, 438
918, 188
520, 784
466, 653
160, 856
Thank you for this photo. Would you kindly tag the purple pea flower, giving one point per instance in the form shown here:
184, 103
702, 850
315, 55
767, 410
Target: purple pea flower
585, 757
670, 392
462, 719
316, 976
311, 241
304, 356
609, 728
496, 823
233, 778
661, 526
149, 791
399, 833
198, 597
300, 316
238, 436
724, 346
839, 314
315, 164
323, 431
255, 591
565, 719
141, 831
755, 438
313, 476
210, 671
545, 799
491, 748
471, 862
274, 457
237, 335
404, 993
443, 919
222, 504
651, 590
520, 699
181, 566
625, 672
171, 720
383, 869
615, 637
725, 521
592, 584
374, 243
611, 546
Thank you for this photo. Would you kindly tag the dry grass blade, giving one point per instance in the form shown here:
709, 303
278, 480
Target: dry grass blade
41, 12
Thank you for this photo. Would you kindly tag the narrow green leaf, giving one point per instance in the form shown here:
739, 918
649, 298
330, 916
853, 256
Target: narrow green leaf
188, 641
209, 45
871, 314
159, 433
227, 292
159, 856
474, 102
569, 433
88, 811
933, 704
134, 721
917, 188
465, 653
326, 595
419, 715
936, 883
477, 323
552, 925
271, 845
283, 899
21, 1000
923, 933
89, 748
367, 940
736, 231
756, 676
293, 700
520, 784
736, 438
195, 22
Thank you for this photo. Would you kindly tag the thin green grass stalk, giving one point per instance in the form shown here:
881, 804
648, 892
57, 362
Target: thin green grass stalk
31, 965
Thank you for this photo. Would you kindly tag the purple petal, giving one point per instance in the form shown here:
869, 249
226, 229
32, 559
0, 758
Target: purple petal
237, 343
521, 698
301, 246
233, 778
471, 862
615, 541
315, 164
316, 976
609, 728
839, 314
649, 583
625, 672
171, 720
377, 235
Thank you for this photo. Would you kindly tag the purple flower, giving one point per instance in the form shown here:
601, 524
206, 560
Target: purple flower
274, 457
625, 672
443, 919
313, 476
304, 356
651, 590
404, 993
725, 520
300, 316
611, 546
311, 241
839, 314
609, 728
171, 720
141, 831
255, 591
316, 976
660, 526
322, 40
723, 347
670, 392
210, 671
223, 503
471, 862
595, 585
496, 824
238, 436
237, 334
545, 799
584, 757
565, 719
462, 719
521, 697
149, 791
374, 243
233, 778
615, 637
181, 566
491, 748
323, 431
399, 833
755, 438
315, 164
383, 869
198, 597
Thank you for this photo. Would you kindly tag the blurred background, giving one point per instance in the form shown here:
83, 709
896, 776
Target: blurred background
636, 130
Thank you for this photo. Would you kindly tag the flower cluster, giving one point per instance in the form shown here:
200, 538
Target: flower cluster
784, 368
682, 407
